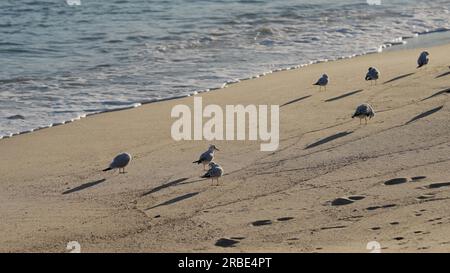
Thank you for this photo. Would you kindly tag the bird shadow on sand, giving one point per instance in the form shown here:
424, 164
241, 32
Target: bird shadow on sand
344, 95
442, 75
296, 100
445, 91
328, 139
168, 184
197, 180
398, 78
175, 200
85, 186
425, 114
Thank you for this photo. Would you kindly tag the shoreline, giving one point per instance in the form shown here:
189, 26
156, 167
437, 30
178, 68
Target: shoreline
396, 43
331, 186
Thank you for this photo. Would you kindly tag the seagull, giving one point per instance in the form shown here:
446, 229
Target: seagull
372, 75
215, 171
207, 156
323, 81
423, 59
364, 111
119, 162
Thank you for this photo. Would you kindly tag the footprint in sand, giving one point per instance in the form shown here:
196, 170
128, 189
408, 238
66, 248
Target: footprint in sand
381, 207
438, 185
269, 222
434, 219
283, 219
418, 178
261, 223
401, 180
396, 181
224, 242
356, 197
341, 201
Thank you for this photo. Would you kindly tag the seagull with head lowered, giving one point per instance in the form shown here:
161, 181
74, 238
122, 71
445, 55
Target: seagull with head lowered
364, 111
207, 156
119, 162
215, 171
423, 59
372, 75
323, 81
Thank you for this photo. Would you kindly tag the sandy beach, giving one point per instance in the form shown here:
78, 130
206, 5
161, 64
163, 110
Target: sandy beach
332, 186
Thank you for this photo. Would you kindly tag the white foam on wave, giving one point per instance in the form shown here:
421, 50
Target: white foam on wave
73, 2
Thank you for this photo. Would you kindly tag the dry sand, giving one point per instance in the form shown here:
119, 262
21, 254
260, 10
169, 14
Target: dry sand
52, 190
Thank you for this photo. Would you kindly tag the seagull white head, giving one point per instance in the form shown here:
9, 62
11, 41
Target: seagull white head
212, 164
213, 148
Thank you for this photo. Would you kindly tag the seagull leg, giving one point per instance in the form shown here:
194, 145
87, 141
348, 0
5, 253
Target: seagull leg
366, 120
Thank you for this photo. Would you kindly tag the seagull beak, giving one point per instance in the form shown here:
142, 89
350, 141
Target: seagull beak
217, 149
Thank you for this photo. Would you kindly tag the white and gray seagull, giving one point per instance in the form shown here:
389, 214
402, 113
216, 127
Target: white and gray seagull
364, 111
215, 171
119, 162
372, 75
207, 156
323, 81
423, 59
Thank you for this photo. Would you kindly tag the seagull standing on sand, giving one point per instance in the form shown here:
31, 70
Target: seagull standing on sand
423, 59
119, 162
215, 171
323, 81
207, 156
372, 75
364, 111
